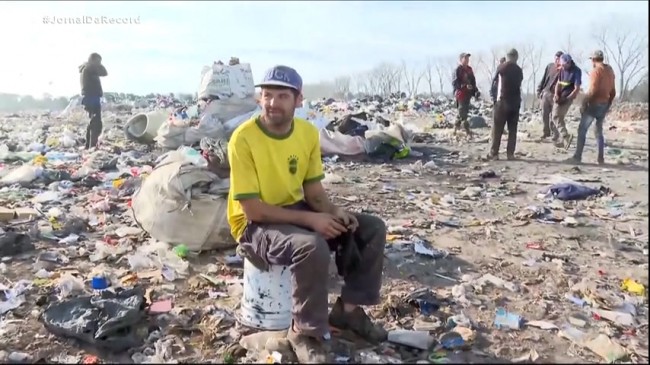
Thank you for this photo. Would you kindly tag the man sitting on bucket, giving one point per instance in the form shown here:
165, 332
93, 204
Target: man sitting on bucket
280, 214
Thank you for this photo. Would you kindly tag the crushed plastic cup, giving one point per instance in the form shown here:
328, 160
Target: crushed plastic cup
139, 261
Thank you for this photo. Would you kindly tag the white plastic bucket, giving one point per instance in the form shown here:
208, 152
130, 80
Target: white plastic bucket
144, 127
266, 302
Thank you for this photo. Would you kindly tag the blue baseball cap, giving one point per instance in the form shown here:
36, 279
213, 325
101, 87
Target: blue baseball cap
565, 58
283, 76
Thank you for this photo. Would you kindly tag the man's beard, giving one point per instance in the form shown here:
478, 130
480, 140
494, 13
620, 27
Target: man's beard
279, 118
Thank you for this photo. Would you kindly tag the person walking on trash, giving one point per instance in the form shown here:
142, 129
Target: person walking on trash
280, 214
464, 85
92, 93
567, 89
596, 104
545, 92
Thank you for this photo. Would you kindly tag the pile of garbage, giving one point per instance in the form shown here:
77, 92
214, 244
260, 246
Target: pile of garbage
227, 99
105, 249
441, 110
629, 111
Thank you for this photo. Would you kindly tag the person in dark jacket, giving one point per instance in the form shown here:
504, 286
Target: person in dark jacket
567, 88
92, 92
545, 91
494, 87
508, 102
464, 86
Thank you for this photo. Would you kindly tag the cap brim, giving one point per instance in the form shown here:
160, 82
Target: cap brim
276, 83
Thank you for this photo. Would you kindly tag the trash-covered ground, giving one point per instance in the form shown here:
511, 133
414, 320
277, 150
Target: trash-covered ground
518, 261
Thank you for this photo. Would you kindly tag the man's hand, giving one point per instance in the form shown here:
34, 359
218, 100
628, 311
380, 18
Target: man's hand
348, 219
584, 106
326, 225
556, 98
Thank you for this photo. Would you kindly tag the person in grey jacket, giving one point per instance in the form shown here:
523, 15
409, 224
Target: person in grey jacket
92, 92
545, 91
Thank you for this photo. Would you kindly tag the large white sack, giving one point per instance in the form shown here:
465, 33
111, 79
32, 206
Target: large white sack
175, 133
226, 81
167, 208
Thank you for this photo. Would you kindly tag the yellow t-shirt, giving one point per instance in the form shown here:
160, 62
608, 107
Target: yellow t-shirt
271, 168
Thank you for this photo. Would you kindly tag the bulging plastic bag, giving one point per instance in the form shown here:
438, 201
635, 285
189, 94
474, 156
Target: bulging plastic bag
24, 174
227, 81
109, 320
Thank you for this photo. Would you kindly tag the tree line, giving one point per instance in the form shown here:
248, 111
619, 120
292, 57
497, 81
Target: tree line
17, 103
625, 48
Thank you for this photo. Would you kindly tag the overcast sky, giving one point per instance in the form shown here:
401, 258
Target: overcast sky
167, 43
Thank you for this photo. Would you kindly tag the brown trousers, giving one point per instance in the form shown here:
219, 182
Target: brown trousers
547, 108
559, 113
308, 256
505, 113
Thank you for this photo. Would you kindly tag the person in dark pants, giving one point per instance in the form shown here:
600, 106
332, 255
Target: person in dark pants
493, 89
464, 85
545, 92
508, 102
92, 92
280, 214
596, 104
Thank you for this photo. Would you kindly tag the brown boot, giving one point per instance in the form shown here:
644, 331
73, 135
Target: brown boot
356, 321
309, 350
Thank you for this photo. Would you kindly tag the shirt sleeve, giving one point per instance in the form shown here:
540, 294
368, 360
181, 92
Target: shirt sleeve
243, 174
315, 168
577, 77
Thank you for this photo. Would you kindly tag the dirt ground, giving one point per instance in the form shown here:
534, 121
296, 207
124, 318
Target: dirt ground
588, 247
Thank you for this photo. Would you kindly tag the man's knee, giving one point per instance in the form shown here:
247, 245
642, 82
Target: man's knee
372, 227
311, 248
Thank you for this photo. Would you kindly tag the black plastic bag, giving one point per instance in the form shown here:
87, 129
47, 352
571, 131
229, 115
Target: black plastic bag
108, 321
348, 255
12, 243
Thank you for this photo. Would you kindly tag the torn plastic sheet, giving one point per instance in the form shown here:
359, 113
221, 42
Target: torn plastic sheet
108, 320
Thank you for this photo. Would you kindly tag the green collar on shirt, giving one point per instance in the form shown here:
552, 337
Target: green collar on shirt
270, 134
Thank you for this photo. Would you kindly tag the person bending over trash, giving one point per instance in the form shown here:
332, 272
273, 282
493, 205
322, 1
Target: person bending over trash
596, 104
464, 84
280, 214
91, 92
